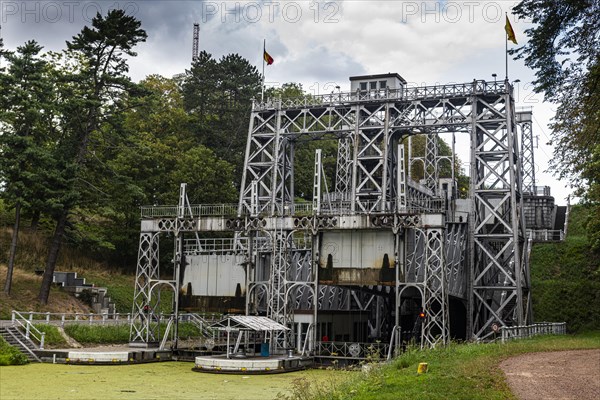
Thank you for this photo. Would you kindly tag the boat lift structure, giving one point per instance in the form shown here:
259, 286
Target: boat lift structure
379, 259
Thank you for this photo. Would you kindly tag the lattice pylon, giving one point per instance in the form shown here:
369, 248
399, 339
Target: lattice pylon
141, 329
498, 266
437, 320
431, 162
277, 308
343, 172
524, 121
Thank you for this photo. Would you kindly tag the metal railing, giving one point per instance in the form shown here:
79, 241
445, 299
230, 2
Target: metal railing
163, 342
546, 235
202, 323
191, 211
30, 331
307, 338
407, 93
219, 245
352, 350
527, 331
64, 318
336, 207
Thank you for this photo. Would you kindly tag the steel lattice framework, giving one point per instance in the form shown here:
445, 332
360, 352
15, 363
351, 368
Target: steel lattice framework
374, 122
481, 259
524, 120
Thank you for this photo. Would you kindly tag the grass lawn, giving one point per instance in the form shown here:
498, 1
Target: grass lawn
467, 371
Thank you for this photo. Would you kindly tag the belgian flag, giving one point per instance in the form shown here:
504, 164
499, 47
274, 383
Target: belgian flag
267, 57
510, 32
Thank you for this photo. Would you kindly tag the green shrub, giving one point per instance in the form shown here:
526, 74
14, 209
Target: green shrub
10, 355
187, 329
53, 338
99, 334
565, 279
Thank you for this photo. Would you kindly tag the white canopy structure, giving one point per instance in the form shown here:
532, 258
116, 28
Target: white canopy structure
244, 324
249, 323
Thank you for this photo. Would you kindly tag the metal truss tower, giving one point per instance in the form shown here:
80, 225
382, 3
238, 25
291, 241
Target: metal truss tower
375, 122
144, 331
343, 175
422, 251
524, 120
196, 42
431, 170
500, 287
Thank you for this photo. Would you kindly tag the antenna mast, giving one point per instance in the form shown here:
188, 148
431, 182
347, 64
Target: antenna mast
196, 42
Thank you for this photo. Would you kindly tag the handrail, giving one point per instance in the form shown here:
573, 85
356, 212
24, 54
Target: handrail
30, 329
307, 339
200, 323
91, 318
546, 234
339, 207
345, 349
191, 211
527, 331
24, 345
166, 335
400, 94
394, 330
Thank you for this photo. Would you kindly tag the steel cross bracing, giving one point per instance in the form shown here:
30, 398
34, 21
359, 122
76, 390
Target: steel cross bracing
524, 121
144, 329
500, 287
431, 170
456, 259
375, 122
277, 308
343, 173
141, 329
436, 325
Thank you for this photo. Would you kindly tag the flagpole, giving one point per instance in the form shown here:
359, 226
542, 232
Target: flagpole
262, 89
506, 49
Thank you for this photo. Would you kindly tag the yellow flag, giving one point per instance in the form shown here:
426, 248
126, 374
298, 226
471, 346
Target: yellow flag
510, 32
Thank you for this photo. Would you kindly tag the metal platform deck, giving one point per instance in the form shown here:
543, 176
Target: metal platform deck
105, 355
252, 365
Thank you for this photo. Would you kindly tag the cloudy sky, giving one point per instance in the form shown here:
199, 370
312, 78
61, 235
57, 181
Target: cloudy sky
316, 43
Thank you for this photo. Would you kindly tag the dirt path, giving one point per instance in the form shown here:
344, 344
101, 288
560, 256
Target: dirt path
554, 375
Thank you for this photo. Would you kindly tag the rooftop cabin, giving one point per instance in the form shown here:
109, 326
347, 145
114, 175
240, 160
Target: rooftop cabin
376, 82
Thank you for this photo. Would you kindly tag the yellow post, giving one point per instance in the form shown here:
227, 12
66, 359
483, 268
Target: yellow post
422, 368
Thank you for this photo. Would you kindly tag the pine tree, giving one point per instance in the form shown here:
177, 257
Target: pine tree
27, 118
95, 88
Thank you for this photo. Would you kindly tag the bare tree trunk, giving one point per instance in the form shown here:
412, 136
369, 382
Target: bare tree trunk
59, 232
13, 249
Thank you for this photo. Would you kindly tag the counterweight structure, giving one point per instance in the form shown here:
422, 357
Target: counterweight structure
381, 258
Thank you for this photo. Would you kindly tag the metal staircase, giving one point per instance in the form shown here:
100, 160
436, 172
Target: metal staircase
17, 339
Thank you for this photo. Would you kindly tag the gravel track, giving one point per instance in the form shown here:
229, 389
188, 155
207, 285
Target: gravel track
554, 375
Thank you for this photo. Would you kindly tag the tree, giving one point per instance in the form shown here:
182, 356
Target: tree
563, 50
218, 95
94, 91
27, 117
156, 153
